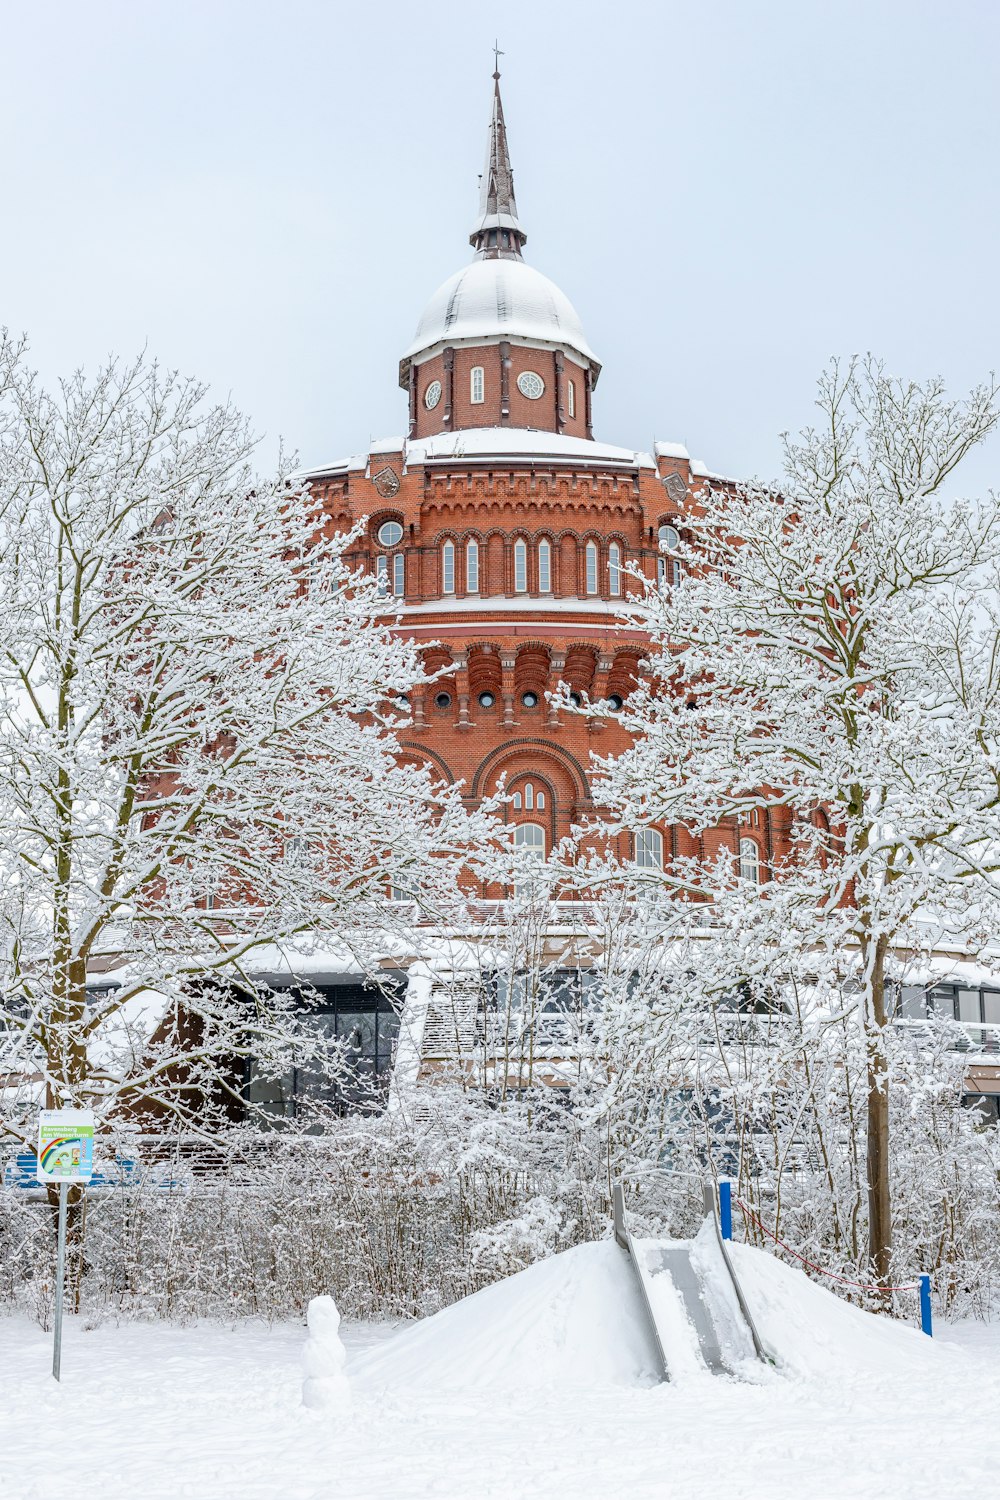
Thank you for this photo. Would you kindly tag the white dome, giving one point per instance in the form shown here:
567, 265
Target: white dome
499, 299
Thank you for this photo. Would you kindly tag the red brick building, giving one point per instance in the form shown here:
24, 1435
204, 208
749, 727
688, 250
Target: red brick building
503, 529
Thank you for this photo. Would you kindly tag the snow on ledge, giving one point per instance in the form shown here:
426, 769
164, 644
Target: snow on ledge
527, 442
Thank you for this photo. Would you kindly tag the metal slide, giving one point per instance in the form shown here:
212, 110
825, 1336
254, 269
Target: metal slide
674, 1262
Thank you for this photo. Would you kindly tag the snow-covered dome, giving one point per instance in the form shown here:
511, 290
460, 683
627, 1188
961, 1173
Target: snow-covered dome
499, 299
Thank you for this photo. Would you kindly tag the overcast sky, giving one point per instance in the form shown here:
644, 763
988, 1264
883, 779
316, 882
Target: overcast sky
730, 193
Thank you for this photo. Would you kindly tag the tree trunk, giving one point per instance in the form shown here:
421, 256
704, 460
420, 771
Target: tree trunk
879, 1196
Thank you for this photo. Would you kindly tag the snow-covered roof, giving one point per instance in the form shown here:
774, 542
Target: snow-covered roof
480, 444
499, 299
511, 442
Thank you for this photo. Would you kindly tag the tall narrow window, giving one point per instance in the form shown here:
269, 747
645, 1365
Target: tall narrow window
570, 399
668, 571
477, 386
591, 560
472, 567
615, 568
529, 796
649, 849
749, 861
448, 568
529, 838
544, 567
520, 566
382, 573
399, 575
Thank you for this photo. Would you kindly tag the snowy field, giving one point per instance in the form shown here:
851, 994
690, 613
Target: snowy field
539, 1387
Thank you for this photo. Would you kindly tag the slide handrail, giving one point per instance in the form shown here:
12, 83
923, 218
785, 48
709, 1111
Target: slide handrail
712, 1208
624, 1239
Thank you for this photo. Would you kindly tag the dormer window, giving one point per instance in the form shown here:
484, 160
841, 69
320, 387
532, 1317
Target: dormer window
477, 385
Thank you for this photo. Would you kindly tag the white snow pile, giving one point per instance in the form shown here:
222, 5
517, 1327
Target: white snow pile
813, 1333
573, 1320
576, 1320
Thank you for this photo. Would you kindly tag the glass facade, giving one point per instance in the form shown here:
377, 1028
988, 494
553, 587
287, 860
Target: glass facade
358, 1025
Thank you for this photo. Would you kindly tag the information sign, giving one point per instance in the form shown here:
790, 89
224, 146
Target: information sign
65, 1145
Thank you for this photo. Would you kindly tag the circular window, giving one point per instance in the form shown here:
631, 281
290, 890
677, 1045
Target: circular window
576, 700
443, 700
530, 700
486, 700
670, 537
530, 384
432, 395
616, 703
390, 534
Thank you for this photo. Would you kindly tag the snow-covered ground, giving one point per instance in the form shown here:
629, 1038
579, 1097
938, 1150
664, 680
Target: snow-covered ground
539, 1387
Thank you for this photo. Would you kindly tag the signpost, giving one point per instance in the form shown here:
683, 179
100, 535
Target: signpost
65, 1155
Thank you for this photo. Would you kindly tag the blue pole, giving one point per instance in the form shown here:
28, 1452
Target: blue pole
726, 1209
925, 1306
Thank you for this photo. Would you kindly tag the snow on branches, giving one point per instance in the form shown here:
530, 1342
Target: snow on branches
830, 665
198, 704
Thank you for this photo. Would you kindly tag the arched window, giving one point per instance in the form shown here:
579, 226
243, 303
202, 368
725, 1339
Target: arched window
472, 567
448, 568
531, 837
649, 849
590, 556
529, 840
544, 567
615, 568
668, 569
530, 799
477, 385
570, 399
520, 566
382, 574
749, 861
399, 574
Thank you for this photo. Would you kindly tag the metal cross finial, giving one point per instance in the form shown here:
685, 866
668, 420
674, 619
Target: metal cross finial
497, 54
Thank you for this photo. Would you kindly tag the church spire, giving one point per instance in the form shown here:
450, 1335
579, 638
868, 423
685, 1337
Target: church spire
497, 234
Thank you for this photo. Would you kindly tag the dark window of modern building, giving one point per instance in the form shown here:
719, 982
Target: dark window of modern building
363, 1020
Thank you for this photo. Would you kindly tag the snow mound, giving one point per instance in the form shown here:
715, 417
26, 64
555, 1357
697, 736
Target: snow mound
814, 1333
573, 1320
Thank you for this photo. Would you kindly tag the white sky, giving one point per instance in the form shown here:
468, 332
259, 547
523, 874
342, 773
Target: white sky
267, 194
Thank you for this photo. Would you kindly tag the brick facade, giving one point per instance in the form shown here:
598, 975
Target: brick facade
516, 528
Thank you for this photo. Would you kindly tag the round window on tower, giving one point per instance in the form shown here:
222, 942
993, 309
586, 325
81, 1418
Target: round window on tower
669, 537
443, 700
530, 385
530, 700
432, 395
390, 534
486, 700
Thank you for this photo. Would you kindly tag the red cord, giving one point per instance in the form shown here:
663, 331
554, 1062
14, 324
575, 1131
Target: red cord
864, 1286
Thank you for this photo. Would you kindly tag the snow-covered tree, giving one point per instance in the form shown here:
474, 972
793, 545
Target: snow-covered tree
830, 665
197, 751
